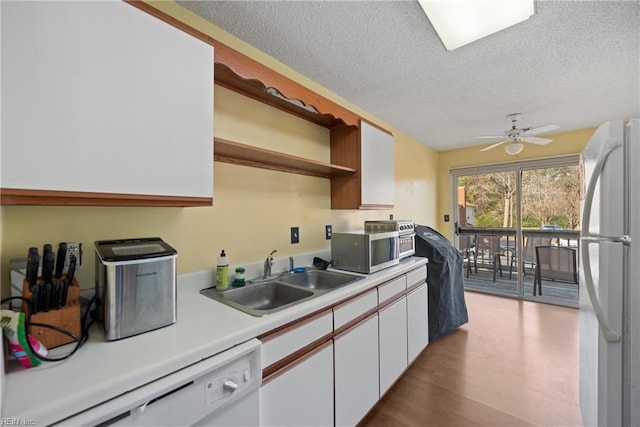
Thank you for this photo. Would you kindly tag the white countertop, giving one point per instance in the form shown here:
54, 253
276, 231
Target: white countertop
101, 369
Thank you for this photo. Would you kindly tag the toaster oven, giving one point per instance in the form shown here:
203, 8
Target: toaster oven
406, 233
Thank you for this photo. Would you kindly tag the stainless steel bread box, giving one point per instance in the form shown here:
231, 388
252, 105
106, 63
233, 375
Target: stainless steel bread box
135, 285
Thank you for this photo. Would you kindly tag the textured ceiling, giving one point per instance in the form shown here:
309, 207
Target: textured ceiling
574, 63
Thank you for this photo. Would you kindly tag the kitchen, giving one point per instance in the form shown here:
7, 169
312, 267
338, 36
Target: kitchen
247, 218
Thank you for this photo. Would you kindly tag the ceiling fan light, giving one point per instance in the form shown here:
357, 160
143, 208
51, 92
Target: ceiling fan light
460, 22
514, 148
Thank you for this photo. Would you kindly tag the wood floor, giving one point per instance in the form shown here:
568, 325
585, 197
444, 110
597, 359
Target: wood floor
515, 363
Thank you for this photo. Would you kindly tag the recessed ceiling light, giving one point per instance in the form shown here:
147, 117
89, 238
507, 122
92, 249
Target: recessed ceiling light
460, 22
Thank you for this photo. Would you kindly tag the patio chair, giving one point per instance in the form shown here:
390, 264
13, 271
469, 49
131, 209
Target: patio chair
488, 252
554, 263
529, 250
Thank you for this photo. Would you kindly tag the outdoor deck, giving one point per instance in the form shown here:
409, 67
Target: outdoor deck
483, 245
559, 292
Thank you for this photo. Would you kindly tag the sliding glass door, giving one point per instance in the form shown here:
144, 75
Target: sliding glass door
550, 206
487, 208
517, 226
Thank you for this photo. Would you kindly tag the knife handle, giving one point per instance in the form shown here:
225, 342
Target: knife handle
62, 255
48, 259
41, 297
33, 260
47, 296
72, 268
62, 293
35, 299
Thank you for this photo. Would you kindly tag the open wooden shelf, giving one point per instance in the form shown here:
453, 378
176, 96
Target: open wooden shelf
246, 155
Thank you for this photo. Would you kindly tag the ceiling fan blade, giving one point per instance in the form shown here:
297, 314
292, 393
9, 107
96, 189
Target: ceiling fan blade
541, 129
494, 145
536, 140
490, 137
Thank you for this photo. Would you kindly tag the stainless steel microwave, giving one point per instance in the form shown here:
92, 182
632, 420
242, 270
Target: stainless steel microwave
365, 252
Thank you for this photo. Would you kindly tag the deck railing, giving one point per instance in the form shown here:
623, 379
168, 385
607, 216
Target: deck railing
470, 241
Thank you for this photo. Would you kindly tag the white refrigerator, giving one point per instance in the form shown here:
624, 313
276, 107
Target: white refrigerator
610, 277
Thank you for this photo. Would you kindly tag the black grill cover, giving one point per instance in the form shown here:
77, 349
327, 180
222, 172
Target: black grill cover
447, 308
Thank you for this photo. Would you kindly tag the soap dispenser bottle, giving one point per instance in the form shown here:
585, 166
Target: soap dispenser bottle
222, 272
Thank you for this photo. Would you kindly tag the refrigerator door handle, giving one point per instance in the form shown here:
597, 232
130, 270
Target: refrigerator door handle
609, 334
607, 149
625, 239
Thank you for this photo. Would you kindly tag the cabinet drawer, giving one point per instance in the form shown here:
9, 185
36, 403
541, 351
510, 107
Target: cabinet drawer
346, 312
417, 276
282, 343
391, 289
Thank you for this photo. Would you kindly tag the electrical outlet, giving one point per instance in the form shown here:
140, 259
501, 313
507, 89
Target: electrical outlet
75, 249
328, 230
295, 235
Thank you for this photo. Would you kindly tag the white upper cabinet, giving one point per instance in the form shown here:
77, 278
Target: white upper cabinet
369, 150
101, 97
377, 166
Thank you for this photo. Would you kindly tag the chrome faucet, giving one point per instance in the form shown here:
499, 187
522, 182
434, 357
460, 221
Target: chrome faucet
267, 265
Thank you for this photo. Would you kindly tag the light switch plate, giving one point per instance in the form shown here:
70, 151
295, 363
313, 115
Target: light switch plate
295, 235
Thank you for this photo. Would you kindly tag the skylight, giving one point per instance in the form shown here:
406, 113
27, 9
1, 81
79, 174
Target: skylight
460, 22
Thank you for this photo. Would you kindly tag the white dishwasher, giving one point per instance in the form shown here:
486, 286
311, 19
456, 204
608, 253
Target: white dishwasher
222, 390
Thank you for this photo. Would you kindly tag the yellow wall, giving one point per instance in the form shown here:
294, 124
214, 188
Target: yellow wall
253, 209
564, 143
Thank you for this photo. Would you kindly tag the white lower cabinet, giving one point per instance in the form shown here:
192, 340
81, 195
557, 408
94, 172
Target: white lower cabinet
302, 394
372, 338
356, 372
393, 343
417, 321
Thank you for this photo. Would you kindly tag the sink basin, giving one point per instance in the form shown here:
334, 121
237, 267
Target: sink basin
259, 299
318, 279
263, 296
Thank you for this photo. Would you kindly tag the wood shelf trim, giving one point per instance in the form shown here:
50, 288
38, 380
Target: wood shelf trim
242, 74
25, 197
246, 155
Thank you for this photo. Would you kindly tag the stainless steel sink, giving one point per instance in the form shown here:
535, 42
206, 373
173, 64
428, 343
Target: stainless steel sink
318, 279
260, 299
264, 296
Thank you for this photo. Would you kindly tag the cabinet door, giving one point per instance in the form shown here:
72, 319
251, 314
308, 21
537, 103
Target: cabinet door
301, 395
356, 372
417, 321
377, 166
393, 343
102, 97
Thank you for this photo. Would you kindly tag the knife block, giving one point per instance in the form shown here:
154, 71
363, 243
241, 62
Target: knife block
66, 317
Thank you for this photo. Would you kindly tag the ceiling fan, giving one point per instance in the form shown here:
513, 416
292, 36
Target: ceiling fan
515, 136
